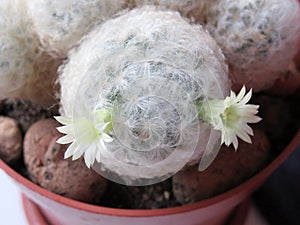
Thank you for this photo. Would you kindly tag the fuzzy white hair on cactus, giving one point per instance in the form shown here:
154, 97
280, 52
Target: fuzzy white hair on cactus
188, 8
60, 24
25, 72
133, 97
258, 37
17, 46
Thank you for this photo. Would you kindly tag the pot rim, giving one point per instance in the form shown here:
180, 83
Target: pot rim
246, 186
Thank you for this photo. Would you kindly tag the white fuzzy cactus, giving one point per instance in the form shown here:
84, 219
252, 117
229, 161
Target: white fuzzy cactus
258, 37
60, 24
17, 49
136, 94
188, 8
25, 72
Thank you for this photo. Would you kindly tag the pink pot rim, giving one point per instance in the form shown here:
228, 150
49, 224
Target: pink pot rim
247, 186
32, 212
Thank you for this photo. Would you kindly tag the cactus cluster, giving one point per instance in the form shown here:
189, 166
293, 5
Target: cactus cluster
148, 82
61, 24
17, 49
258, 37
146, 91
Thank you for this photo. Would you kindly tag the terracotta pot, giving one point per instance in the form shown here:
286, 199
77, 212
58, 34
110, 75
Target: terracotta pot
59, 210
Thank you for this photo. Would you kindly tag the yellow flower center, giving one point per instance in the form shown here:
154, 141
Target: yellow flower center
230, 116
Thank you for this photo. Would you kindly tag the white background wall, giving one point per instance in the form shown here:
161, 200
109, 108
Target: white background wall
11, 209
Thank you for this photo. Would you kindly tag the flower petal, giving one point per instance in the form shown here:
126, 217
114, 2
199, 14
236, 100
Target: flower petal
241, 94
78, 153
98, 154
253, 119
106, 138
63, 120
65, 139
89, 156
235, 142
102, 126
102, 145
246, 98
70, 150
65, 129
248, 129
241, 133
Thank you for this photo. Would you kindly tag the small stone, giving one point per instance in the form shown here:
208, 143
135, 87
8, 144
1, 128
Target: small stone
288, 83
10, 140
297, 58
166, 195
275, 113
159, 198
190, 185
2, 106
44, 159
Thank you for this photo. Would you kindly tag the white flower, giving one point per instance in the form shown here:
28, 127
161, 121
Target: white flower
86, 136
231, 116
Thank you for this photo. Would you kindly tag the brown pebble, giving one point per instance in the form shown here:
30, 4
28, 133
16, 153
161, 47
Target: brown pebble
275, 113
288, 83
166, 195
44, 159
297, 58
10, 140
2, 106
229, 169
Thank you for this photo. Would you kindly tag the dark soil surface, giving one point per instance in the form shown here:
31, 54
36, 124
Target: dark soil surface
155, 196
